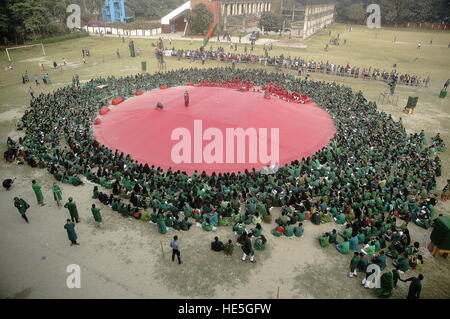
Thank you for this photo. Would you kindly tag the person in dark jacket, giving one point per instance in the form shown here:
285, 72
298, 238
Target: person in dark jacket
415, 287
247, 248
217, 245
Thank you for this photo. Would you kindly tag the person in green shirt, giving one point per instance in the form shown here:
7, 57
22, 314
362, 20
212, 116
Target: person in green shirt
347, 232
115, 205
315, 218
257, 219
403, 263
153, 217
185, 224
248, 219
267, 218
257, 230
206, 225
96, 213
298, 230
162, 229
412, 250
57, 194
354, 246
223, 221
228, 248
169, 220
325, 240
260, 243
361, 237
353, 264
363, 263
187, 210
236, 217
333, 237
22, 207
72, 207
70, 228
124, 210
37, 192
239, 228
340, 219
369, 249
289, 231
301, 216
396, 275
176, 223
387, 284
381, 260
343, 247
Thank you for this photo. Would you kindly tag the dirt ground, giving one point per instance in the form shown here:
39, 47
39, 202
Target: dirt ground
126, 258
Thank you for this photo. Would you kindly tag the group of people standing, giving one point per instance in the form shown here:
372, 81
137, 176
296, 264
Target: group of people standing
22, 207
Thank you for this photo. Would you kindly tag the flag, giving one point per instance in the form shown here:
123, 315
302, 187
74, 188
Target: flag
209, 34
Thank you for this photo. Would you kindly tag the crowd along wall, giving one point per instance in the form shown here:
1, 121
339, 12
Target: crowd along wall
122, 32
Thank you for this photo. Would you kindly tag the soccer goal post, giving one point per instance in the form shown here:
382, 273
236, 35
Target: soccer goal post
22, 47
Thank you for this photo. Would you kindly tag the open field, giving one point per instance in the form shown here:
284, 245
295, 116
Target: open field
124, 258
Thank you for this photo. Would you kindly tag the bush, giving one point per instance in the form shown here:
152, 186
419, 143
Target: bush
54, 29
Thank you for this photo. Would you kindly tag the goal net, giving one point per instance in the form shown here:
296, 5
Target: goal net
26, 50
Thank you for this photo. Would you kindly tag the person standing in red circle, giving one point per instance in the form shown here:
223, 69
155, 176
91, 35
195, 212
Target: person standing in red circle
186, 98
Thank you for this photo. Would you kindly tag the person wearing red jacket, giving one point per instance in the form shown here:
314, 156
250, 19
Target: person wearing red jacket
186, 98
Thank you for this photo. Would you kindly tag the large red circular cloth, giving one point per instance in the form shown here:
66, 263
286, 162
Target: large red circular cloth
148, 134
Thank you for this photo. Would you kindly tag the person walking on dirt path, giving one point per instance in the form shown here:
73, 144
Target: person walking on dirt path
96, 214
70, 227
38, 192
248, 249
73, 211
415, 287
22, 207
175, 249
57, 194
31, 92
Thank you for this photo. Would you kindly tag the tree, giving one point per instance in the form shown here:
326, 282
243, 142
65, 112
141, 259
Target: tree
270, 22
395, 11
356, 13
200, 19
33, 17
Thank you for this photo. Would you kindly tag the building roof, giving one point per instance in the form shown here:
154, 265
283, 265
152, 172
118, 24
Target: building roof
175, 13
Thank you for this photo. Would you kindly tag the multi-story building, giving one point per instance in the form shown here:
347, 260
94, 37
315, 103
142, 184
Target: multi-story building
230, 14
114, 11
306, 17
302, 17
